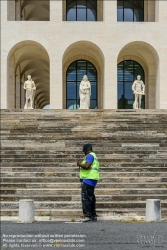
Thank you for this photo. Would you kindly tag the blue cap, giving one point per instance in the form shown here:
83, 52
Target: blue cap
87, 146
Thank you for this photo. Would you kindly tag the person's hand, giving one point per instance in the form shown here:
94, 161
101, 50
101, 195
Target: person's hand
78, 164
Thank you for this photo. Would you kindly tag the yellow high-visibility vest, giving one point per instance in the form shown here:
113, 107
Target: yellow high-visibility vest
92, 172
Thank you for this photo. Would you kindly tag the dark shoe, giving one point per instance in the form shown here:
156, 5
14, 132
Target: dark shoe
93, 219
86, 219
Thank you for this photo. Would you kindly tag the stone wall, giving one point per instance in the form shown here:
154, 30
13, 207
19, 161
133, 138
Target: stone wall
111, 41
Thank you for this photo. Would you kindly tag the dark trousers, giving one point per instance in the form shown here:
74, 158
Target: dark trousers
88, 200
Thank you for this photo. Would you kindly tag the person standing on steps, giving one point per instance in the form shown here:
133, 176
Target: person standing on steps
89, 176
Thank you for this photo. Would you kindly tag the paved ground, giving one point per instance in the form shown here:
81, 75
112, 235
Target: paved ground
101, 235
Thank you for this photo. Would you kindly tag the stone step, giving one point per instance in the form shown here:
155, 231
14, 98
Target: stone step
7, 153
69, 185
77, 204
77, 191
66, 117
109, 120
100, 156
153, 130
40, 148
111, 159
123, 128
120, 165
73, 213
68, 198
102, 144
67, 174
75, 179
64, 169
117, 135
77, 151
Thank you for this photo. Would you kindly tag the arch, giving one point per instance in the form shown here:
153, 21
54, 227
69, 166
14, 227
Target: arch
74, 76
29, 10
127, 72
46, 105
84, 50
147, 56
27, 58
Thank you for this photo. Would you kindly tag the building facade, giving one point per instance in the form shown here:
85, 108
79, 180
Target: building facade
57, 42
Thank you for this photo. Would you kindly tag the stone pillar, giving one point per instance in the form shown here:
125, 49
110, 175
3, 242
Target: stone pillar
110, 82
56, 54
17, 91
151, 91
110, 66
161, 82
11, 10
11, 85
151, 10
26, 211
18, 10
109, 12
153, 210
160, 11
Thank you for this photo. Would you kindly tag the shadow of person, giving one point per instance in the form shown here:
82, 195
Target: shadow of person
122, 102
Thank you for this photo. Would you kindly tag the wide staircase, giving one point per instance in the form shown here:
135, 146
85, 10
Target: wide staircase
39, 150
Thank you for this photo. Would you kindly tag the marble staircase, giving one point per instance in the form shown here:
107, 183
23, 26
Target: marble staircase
39, 150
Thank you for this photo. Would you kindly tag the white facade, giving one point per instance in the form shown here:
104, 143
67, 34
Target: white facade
45, 49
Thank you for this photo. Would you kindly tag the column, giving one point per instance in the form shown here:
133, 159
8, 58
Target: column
110, 56
18, 10
109, 12
11, 85
151, 91
160, 10
17, 91
10, 10
56, 55
110, 82
161, 83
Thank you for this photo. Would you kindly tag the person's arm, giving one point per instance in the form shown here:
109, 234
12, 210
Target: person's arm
34, 87
89, 160
84, 166
133, 87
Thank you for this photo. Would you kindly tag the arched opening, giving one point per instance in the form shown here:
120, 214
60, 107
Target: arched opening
74, 75
89, 59
28, 58
145, 55
127, 73
47, 106
29, 10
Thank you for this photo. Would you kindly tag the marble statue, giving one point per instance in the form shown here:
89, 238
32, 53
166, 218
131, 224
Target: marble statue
30, 88
138, 88
85, 93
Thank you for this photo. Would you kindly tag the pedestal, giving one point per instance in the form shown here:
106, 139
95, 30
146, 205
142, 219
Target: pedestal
153, 210
26, 211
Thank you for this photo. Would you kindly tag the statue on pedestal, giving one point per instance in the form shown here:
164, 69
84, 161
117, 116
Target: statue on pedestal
138, 88
30, 88
85, 93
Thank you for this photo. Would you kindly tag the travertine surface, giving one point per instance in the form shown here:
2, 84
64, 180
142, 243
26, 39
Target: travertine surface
48, 48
